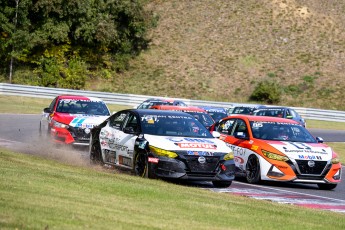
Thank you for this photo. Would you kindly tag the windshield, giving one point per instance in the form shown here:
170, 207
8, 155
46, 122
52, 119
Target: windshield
279, 131
217, 115
85, 107
203, 118
168, 125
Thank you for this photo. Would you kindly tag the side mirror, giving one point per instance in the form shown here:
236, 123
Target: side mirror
129, 130
47, 110
215, 134
241, 135
319, 139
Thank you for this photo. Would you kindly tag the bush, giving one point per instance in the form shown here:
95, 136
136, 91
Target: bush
266, 92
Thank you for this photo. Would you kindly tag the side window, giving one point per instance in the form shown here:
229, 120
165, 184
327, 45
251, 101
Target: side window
52, 104
241, 127
290, 113
225, 127
132, 122
118, 120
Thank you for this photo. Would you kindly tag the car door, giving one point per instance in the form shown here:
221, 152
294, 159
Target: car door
126, 140
235, 132
110, 137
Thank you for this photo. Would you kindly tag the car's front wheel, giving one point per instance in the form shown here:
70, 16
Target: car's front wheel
327, 186
221, 184
253, 170
142, 167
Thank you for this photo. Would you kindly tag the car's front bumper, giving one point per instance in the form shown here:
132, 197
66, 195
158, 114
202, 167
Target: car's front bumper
180, 169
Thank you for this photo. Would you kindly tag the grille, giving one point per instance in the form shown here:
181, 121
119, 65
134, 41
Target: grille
79, 134
195, 167
304, 168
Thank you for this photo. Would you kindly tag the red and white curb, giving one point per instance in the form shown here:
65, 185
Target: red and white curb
285, 197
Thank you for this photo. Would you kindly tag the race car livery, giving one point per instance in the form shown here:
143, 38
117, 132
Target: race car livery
278, 149
70, 118
164, 144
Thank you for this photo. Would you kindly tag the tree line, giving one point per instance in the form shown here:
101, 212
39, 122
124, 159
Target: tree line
61, 43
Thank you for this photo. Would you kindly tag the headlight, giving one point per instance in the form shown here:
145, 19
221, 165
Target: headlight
163, 152
335, 160
60, 125
274, 156
229, 156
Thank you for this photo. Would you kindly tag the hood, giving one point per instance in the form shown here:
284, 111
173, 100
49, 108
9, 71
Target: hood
78, 120
303, 151
188, 144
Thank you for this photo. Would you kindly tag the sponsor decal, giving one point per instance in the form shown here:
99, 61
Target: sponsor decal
153, 160
125, 161
79, 123
309, 157
196, 145
110, 156
239, 160
196, 140
200, 153
254, 147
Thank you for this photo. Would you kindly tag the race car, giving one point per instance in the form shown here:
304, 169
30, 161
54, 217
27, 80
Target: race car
200, 114
160, 101
278, 149
216, 113
69, 118
162, 144
279, 111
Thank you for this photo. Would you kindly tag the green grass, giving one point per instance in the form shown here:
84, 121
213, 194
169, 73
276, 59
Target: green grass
40, 193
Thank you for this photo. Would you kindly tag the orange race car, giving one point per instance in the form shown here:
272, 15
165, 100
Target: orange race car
278, 149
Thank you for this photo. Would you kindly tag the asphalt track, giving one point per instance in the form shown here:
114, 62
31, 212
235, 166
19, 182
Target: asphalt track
20, 133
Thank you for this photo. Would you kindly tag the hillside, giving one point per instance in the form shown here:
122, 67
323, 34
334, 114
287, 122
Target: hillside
220, 50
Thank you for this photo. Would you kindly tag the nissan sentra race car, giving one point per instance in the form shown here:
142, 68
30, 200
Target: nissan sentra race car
160, 143
278, 149
69, 118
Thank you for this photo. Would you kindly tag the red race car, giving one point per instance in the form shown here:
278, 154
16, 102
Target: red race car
69, 118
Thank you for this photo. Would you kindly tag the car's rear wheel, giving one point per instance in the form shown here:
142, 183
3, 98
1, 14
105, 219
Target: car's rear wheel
327, 186
253, 170
95, 153
221, 184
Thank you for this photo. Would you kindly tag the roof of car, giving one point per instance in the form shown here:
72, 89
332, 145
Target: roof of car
78, 97
159, 112
178, 108
264, 118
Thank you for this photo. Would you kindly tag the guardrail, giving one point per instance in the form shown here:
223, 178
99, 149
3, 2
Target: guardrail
134, 100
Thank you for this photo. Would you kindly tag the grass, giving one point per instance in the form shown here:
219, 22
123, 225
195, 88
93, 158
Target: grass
40, 193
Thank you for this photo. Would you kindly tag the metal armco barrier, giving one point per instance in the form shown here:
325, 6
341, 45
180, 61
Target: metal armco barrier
134, 100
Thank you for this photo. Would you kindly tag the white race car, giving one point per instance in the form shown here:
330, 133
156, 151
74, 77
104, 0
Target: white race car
164, 144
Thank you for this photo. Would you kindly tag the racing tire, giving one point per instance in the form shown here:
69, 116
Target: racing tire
42, 133
142, 167
327, 186
221, 184
95, 153
253, 170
